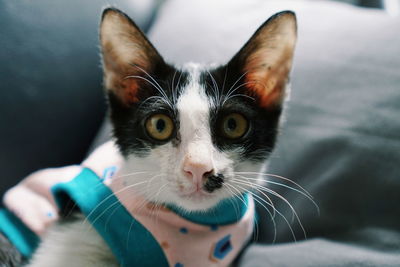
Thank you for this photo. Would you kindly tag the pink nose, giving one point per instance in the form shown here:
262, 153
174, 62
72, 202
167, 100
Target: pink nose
197, 171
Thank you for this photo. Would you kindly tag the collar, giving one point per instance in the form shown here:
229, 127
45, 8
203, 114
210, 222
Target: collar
227, 211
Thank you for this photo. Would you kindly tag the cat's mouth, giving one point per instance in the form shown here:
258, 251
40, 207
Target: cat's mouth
213, 183
195, 194
197, 197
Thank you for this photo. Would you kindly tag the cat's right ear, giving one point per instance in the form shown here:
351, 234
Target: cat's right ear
128, 56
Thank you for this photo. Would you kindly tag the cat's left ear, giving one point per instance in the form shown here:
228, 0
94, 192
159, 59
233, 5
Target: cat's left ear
266, 59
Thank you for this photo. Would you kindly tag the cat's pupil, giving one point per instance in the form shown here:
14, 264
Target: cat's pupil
160, 125
231, 123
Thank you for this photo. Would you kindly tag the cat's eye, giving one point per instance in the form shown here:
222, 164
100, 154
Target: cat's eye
234, 126
159, 127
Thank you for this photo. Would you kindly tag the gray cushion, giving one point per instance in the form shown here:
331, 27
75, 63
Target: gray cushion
50, 81
341, 140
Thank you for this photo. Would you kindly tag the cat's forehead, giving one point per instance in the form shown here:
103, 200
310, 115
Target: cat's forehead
193, 90
193, 104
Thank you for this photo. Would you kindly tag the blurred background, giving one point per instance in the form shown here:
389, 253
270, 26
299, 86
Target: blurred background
341, 138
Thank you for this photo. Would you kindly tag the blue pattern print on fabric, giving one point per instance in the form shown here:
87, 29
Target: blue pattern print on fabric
222, 247
214, 227
108, 173
183, 230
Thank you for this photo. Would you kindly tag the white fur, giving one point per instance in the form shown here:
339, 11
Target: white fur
74, 244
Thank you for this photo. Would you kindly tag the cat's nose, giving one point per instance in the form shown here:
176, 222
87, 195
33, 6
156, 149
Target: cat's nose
197, 171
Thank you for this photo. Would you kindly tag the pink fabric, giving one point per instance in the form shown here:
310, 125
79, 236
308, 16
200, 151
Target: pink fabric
31, 200
182, 241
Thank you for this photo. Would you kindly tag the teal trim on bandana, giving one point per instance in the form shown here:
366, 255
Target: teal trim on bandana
17, 233
130, 241
228, 211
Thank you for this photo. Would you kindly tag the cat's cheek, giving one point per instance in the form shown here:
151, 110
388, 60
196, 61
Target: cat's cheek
249, 166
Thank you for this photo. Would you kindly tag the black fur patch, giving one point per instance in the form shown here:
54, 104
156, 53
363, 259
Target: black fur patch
128, 122
9, 255
260, 139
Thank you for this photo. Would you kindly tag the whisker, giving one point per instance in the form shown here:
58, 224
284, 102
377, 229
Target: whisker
240, 196
279, 213
231, 90
269, 212
237, 95
162, 92
174, 98
151, 77
294, 213
289, 187
112, 205
129, 232
158, 98
234, 84
104, 211
228, 95
128, 175
179, 79
158, 204
215, 87
265, 195
150, 181
234, 195
226, 73
131, 224
110, 196
268, 190
280, 177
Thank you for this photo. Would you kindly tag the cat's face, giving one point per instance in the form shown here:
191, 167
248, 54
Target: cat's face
186, 133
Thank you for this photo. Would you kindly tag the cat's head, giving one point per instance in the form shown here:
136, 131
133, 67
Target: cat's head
186, 133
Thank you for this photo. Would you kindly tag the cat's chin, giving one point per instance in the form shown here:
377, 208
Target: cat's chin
198, 203
190, 202
197, 206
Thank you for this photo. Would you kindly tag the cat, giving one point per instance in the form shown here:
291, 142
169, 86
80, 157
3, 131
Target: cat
185, 134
